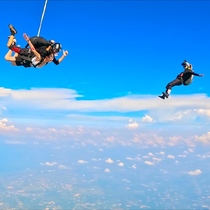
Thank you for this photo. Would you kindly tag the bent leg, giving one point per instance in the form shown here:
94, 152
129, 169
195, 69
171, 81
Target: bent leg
176, 82
15, 49
169, 86
10, 41
9, 57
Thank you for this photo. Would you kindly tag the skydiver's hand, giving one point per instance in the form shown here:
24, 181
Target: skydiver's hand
65, 52
26, 37
201, 75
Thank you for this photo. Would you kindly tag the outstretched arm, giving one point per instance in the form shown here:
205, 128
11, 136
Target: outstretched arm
27, 38
199, 75
55, 61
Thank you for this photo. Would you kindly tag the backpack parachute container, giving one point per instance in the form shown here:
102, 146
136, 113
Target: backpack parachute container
38, 42
188, 81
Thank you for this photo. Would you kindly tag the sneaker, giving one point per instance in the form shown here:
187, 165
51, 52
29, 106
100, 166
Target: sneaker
12, 29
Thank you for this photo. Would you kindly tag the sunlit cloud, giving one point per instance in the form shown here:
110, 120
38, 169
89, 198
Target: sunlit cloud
156, 159
205, 138
152, 112
107, 170
177, 110
49, 163
132, 125
170, 157
66, 99
62, 167
162, 153
134, 166
29, 129
109, 160
82, 161
182, 156
121, 164
6, 126
129, 158
149, 163
147, 119
195, 172
151, 154
204, 112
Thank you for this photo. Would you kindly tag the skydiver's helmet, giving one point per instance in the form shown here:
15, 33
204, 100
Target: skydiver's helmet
56, 47
52, 42
185, 64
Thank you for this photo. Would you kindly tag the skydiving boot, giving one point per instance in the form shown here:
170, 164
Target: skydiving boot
164, 95
13, 31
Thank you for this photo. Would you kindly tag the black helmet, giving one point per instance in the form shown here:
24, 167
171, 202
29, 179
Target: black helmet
56, 47
185, 63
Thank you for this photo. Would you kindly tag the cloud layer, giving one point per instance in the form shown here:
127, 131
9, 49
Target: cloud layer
52, 114
176, 108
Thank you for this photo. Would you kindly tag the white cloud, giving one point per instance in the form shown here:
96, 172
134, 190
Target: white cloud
175, 109
110, 138
149, 163
121, 164
109, 160
205, 112
4, 120
82, 161
151, 154
170, 157
196, 172
62, 167
134, 166
149, 138
184, 109
49, 163
132, 125
107, 170
157, 159
5, 126
29, 129
203, 156
205, 138
182, 156
147, 119
61, 98
190, 150
53, 130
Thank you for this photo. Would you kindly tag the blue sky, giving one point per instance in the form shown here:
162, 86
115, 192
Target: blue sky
121, 56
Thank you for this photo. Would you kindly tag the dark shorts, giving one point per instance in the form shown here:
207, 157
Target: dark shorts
21, 62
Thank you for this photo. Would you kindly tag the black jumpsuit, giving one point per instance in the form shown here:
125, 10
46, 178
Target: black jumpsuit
181, 79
